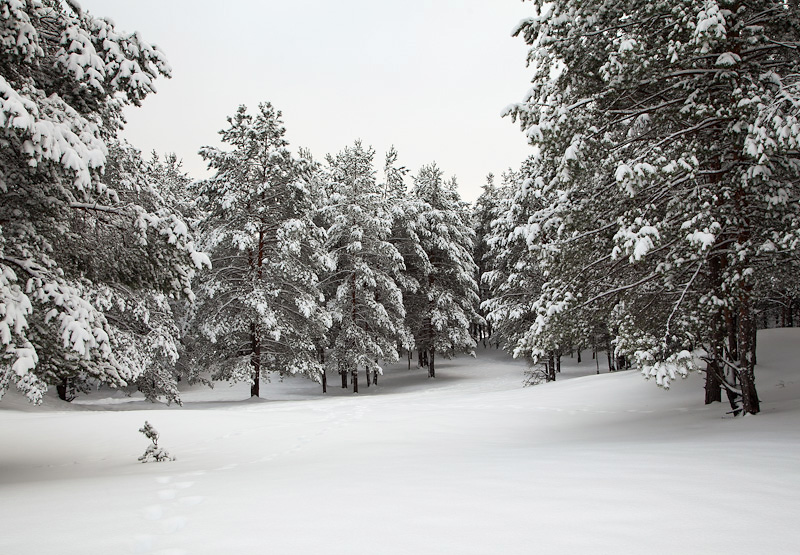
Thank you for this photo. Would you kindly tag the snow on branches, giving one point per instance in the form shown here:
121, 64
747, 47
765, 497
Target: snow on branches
66, 76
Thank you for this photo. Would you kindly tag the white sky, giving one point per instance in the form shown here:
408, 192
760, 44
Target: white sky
429, 76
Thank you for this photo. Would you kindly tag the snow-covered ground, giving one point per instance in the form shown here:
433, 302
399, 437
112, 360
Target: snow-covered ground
468, 463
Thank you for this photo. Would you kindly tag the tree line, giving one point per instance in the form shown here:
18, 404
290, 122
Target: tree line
656, 219
119, 269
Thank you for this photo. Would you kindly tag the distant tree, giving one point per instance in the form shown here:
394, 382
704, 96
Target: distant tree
490, 207
404, 210
447, 298
261, 309
65, 77
367, 303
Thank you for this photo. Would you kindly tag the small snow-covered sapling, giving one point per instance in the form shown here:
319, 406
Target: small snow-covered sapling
153, 453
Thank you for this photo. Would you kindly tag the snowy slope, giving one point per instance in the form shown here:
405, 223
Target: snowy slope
469, 463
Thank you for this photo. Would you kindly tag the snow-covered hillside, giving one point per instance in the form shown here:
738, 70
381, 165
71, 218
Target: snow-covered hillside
469, 463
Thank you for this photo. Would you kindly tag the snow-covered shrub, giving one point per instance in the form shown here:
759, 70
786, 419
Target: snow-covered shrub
153, 453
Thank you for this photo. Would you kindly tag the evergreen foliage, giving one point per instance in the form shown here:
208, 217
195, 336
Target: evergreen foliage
153, 453
261, 309
65, 77
366, 303
663, 189
445, 304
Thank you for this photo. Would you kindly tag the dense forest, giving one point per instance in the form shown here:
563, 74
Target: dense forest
655, 221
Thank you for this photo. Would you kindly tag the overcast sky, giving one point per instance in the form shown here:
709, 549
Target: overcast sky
429, 76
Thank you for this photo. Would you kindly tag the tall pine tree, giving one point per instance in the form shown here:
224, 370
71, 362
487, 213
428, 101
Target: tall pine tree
447, 299
367, 303
261, 308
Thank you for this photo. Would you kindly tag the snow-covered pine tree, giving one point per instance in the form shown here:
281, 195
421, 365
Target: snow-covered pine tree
668, 134
448, 292
367, 305
261, 309
492, 204
404, 210
142, 329
514, 275
65, 77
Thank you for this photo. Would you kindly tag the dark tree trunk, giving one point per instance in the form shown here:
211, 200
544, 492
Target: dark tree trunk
551, 367
410, 356
344, 378
714, 364
750, 402
558, 362
375, 377
64, 390
255, 361
579, 354
432, 364
713, 384
355, 381
368, 378
732, 325
324, 380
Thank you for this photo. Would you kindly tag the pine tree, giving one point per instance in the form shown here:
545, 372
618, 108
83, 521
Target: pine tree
261, 308
367, 303
667, 139
65, 77
404, 210
490, 207
447, 298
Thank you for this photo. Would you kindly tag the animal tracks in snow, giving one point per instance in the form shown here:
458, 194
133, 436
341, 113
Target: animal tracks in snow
167, 517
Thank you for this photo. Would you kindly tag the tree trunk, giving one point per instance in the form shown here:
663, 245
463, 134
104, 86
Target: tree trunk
558, 362
713, 386
750, 402
714, 364
368, 378
324, 380
375, 377
732, 326
551, 367
355, 381
344, 378
579, 354
64, 390
432, 366
410, 356
255, 361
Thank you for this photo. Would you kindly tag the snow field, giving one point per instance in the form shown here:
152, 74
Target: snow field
469, 463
